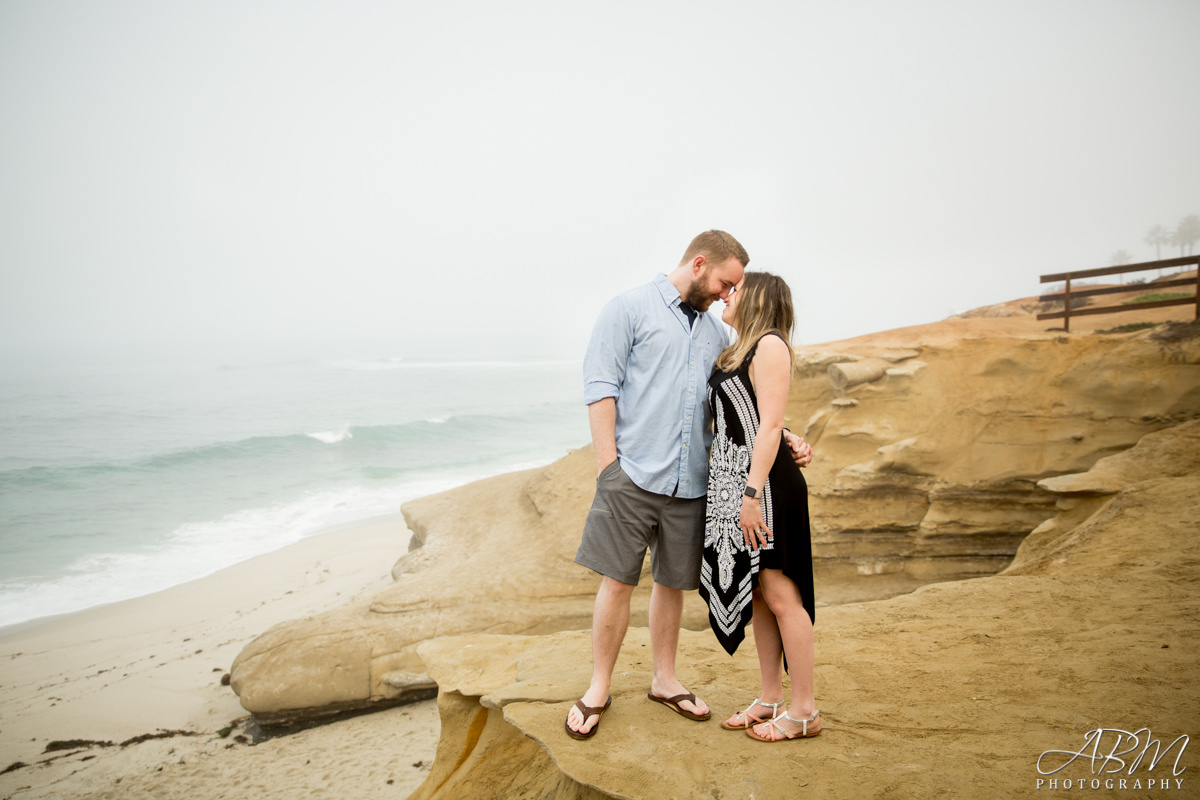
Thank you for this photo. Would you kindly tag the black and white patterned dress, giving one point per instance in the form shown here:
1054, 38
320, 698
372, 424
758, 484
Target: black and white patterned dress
729, 572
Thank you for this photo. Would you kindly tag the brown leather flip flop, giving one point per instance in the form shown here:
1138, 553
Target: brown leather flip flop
587, 711
673, 704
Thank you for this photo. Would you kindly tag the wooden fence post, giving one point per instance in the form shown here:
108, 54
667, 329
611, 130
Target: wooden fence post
1067, 307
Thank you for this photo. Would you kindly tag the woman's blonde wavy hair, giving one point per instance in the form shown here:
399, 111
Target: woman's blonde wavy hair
764, 305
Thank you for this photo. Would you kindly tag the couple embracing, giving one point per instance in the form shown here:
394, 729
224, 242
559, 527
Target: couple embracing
695, 464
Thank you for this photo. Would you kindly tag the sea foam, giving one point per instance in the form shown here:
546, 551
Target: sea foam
333, 437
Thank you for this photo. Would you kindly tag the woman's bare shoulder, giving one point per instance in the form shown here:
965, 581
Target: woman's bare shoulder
772, 345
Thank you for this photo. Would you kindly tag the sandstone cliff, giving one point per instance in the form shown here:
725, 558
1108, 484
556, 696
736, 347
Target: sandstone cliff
930, 441
929, 456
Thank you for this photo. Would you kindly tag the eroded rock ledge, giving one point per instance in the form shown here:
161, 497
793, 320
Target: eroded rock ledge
959, 684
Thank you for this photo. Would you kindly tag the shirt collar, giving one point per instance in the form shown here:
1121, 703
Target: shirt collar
670, 294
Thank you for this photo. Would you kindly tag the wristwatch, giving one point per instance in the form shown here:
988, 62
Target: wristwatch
751, 492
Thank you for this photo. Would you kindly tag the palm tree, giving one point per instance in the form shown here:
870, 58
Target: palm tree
1119, 258
1187, 233
1156, 237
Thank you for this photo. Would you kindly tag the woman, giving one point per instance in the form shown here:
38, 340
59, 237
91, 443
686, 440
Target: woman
757, 546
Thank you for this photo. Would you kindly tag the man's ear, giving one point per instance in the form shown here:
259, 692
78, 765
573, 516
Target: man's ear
698, 264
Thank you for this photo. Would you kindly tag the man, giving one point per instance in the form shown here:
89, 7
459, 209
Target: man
645, 374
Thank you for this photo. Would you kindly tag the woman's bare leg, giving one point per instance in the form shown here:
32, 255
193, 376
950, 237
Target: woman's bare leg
770, 660
796, 633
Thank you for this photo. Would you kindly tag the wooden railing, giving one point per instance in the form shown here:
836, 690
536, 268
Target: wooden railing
1066, 295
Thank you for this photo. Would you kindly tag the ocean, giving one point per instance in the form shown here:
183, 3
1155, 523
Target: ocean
121, 476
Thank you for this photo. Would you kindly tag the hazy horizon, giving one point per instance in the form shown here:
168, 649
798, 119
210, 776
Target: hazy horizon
470, 180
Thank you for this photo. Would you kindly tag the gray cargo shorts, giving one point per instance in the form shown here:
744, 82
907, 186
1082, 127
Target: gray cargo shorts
625, 519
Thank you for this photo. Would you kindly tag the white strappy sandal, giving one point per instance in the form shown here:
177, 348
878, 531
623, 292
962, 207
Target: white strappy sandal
778, 734
753, 720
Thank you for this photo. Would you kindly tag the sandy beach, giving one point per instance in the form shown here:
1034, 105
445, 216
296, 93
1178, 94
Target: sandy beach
154, 664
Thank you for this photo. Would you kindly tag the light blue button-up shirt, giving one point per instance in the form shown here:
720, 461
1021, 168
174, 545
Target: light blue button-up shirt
644, 354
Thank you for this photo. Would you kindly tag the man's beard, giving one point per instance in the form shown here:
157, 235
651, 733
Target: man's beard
696, 296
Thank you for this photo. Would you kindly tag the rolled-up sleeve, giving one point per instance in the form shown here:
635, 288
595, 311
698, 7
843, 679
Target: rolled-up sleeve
607, 355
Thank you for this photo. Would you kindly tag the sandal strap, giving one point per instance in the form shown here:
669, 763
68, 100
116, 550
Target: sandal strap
589, 711
803, 722
680, 698
773, 706
777, 733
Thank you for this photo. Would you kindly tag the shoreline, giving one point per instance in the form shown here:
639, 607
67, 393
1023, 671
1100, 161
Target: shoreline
37, 622
155, 663
76, 592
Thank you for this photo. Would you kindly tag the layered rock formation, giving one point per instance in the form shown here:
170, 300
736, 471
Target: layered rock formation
930, 443
929, 457
956, 689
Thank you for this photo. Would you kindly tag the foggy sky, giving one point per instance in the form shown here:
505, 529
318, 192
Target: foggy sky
472, 179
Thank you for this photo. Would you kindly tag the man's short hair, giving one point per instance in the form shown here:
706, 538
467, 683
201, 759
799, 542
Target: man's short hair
718, 247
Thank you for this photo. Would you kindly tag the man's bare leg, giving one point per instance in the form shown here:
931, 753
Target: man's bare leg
610, 620
666, 612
